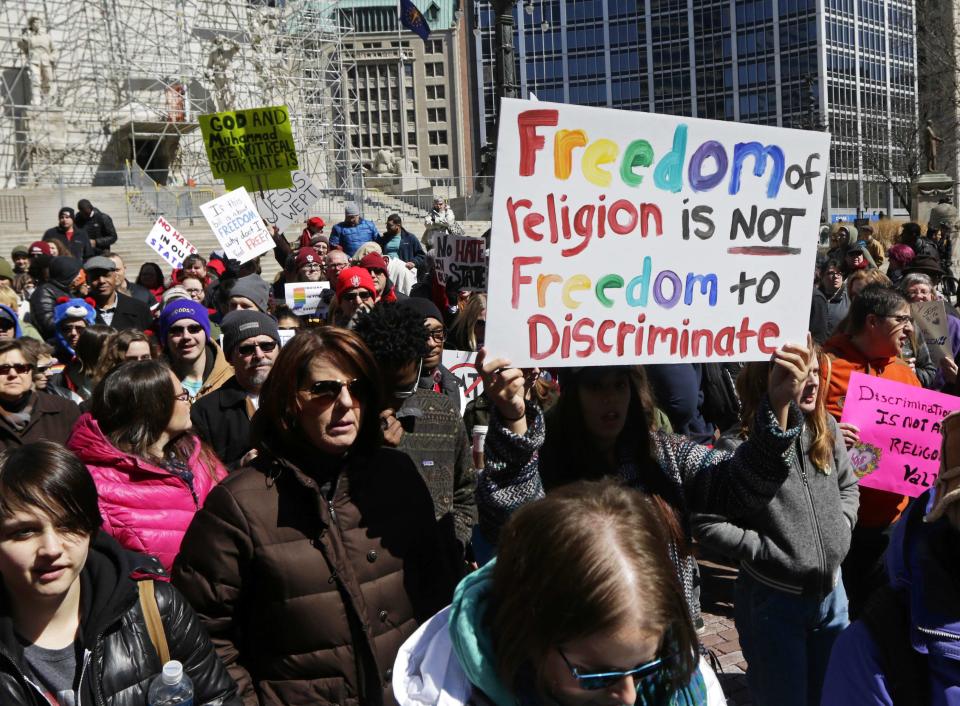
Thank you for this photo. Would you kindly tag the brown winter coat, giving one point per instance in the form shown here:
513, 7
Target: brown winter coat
308, 601
52, 419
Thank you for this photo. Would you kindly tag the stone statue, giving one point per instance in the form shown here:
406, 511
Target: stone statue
37, 49
930, 143
218, 71
385, 163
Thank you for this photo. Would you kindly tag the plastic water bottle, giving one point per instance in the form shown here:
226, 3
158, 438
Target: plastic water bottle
171, 688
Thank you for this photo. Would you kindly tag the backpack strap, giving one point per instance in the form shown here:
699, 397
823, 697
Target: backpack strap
887, 618
151, 616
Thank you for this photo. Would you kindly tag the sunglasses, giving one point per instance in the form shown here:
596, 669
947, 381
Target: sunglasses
327, 391
354, 296
183, 330
249, 348
21, 368
604, 680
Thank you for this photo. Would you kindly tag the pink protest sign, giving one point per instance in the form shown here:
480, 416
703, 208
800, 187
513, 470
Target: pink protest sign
899, 448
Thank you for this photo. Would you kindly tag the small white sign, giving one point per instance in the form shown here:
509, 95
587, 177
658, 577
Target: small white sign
463, 365
281, 207
169, 243
237, 225
306, 298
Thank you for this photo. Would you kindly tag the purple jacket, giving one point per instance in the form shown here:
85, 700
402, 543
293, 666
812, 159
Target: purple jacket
854, 675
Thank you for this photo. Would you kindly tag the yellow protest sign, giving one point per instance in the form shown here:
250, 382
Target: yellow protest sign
251, 148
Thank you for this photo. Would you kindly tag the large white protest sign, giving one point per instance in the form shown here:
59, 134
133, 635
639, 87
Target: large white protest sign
281, 207
307, 298
622, 237
463, 365
462, 260
169, 243
237, 225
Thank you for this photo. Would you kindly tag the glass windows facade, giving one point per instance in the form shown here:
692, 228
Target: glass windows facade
844, 65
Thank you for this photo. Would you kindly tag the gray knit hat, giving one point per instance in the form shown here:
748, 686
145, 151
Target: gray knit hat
254, 288
242, 324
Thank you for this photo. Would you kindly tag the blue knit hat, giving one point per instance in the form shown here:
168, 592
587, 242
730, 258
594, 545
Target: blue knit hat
183, 309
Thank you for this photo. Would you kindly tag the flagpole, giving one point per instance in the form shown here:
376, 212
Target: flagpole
402, 98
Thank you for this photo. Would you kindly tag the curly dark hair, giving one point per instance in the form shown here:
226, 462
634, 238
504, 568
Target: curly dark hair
394, 334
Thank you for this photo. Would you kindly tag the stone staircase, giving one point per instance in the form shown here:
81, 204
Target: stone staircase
133, 224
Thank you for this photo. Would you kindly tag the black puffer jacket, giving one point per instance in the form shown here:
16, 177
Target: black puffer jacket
119, 659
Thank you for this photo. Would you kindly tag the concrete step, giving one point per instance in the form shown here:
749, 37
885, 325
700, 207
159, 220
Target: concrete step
132, 247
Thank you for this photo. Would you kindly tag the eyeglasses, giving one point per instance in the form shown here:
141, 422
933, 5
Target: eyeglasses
336, 265
313, 267
604, 680
833, 273
182, 397
20, 368
326, 391
183, 330
353, 296
249, 348
901, 320
438, 335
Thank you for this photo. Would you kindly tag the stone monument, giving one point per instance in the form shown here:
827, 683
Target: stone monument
38, 55
932, 186
220, 73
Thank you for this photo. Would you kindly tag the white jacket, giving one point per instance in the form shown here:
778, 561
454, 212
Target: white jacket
427, 670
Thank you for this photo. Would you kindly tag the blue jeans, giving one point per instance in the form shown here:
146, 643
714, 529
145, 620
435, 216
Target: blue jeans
786, 640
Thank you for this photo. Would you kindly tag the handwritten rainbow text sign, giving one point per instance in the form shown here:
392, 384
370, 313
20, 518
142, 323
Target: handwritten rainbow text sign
625, 237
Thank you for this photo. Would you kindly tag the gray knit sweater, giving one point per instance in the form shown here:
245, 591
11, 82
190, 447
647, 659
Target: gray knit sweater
707, 480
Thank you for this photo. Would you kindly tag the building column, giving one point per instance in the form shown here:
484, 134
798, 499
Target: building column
692, 54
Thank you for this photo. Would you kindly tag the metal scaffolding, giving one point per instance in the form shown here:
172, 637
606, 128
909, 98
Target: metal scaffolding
126, 80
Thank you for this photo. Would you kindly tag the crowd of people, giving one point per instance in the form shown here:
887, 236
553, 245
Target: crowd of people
320, 517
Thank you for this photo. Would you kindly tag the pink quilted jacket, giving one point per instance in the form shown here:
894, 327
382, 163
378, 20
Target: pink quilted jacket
146, 508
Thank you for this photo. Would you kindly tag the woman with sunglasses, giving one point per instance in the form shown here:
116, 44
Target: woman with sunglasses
27, 415
616, 631
313, 565
151, 471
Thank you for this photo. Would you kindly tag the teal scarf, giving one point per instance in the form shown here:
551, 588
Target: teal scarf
474, 649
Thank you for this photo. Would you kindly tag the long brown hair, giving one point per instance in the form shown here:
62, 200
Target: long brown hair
133, 405
609, 542
276, 423
115, 348
752, 386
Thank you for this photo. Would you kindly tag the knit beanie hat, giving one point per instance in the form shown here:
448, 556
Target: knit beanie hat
68, 210
39, 247
353, 277
426, 308
63, 270
242, 324
180, 309
307, 256
254, 288
173, 294
6, 269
